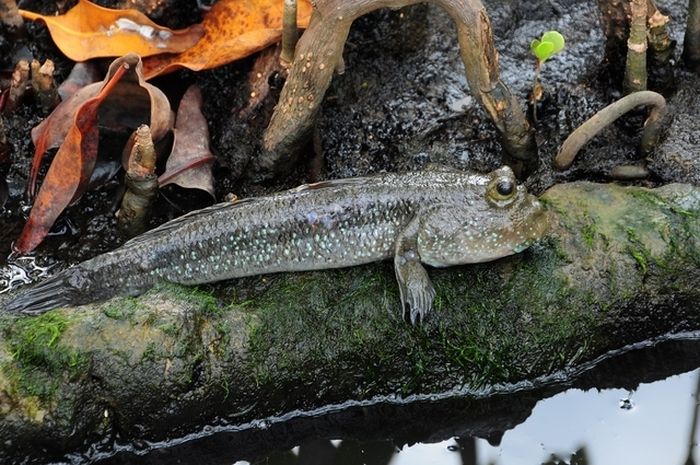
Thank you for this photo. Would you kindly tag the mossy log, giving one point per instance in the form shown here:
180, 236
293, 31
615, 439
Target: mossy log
620, 265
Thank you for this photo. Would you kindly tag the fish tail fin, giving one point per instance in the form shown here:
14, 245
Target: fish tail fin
63, 289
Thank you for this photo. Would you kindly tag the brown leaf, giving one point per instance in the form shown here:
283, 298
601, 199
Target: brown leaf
90, 31
70, 170
189, 164
233, 29
131, 103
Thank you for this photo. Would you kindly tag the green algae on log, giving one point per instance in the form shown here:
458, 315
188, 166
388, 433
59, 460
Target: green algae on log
621, 265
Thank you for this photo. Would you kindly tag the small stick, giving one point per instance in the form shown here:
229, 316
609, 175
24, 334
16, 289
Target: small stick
290, 33
606, 116
141, 183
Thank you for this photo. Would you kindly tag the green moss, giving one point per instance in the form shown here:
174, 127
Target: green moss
637, 249
40, 361
589, 232
123, 309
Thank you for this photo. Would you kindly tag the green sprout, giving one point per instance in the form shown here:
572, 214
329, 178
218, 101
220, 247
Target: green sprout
551, 43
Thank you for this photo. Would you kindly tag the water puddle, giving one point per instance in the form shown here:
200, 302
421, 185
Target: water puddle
19, 271
640, 408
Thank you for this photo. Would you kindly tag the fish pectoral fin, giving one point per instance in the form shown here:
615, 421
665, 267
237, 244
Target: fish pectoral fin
417, 292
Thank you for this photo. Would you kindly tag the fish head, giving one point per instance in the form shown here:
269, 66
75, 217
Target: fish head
498, 218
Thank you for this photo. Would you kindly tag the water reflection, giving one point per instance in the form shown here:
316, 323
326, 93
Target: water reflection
633, 409
575, 427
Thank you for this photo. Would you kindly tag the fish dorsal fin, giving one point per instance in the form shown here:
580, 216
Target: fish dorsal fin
329, 183
168, 227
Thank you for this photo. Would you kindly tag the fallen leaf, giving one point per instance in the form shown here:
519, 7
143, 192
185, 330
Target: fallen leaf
233, 29
90, 31
69, 173
189, 164
131, 103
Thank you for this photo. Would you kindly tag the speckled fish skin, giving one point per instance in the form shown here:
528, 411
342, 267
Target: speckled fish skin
439, 217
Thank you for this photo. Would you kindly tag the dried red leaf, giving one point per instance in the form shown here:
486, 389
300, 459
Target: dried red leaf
189, 164
131, 103
70, 170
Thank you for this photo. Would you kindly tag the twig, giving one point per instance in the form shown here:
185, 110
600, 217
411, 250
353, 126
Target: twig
606, 116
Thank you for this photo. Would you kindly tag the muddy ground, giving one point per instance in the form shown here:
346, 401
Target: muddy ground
402, 103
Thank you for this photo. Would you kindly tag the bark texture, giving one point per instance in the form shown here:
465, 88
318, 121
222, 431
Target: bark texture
620, 265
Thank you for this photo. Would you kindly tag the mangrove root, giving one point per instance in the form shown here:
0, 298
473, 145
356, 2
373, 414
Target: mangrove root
141, 183
606, 116
319, 53
43, 84
618, 21
636, 64
659, 67
691, 43
18, 86
290, 32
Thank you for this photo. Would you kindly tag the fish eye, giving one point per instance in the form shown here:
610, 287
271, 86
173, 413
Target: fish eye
505, 187
501, 190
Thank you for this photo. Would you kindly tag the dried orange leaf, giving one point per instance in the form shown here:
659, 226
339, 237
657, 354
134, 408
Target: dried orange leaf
131, 103
70, 170
189, 164
90, 31
233, 29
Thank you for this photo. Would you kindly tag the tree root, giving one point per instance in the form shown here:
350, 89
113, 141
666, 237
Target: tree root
606, 116
319, 53
691, 44
636, 64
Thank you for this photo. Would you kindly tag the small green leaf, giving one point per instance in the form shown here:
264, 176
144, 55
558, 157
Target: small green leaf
533, 45
544, 50
556, 39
